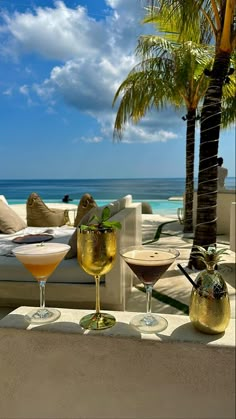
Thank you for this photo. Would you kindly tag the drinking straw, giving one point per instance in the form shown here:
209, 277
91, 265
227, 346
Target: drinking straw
187, 275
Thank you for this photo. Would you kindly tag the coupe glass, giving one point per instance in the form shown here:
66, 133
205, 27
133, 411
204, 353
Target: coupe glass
96, 251
41, 260
149, 264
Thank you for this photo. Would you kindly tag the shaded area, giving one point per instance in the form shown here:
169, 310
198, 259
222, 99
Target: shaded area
167, 300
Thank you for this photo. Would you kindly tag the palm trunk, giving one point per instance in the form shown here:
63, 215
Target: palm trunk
205, 231
189, 182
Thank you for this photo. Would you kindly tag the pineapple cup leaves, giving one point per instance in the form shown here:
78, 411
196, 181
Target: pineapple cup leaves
210, 255
95, 223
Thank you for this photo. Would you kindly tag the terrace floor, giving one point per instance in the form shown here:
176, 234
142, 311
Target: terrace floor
172, 292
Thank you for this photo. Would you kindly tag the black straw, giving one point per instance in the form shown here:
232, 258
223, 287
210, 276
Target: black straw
187, 275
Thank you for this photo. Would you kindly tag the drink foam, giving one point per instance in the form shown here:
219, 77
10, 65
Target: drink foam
42, 253
148, 257
43, 248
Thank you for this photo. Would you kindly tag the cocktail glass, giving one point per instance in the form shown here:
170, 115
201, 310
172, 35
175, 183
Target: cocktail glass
96, 252
41, 260
149, 264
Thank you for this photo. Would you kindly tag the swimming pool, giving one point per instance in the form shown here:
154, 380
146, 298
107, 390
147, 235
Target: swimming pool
159, 206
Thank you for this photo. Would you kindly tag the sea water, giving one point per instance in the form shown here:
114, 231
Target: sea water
157, 192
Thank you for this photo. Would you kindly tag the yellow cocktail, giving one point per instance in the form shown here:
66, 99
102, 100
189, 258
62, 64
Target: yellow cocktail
96, 252
41, 260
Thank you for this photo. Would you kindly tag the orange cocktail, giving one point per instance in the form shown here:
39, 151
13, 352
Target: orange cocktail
41, 260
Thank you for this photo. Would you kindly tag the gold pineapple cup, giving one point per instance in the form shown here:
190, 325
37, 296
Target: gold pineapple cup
209, 309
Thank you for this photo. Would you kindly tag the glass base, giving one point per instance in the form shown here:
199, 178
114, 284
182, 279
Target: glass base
43, 315
151, 323
97, 321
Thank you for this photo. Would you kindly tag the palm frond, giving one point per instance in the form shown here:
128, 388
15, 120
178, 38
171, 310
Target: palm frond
167, 73
183, 20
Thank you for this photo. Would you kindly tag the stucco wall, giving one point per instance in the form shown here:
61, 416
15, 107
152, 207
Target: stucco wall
60, 371
45, 375
224, 200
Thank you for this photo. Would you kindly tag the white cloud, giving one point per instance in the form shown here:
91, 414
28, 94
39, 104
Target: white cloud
7, 92
24, 90
55, 33
50, 110
139, 134
91, 139
156, 127
87, 85
95, 57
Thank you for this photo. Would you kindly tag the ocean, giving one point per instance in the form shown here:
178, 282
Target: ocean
154, 191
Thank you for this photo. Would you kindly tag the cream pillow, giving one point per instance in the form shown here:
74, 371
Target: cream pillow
2, 198
10, 222
114, 208
86, 208
86, 203
39, 215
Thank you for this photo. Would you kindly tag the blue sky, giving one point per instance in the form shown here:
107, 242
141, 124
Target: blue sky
61, 63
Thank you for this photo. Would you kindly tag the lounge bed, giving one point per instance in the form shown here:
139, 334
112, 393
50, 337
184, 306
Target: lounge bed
69, 285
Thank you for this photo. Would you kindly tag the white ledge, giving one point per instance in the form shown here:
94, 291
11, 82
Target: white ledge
116, 373
179, 329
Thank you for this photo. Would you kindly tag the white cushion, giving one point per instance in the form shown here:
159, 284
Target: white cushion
2, 198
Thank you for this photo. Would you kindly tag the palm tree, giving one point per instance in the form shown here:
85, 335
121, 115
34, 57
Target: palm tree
168, 73
218, 17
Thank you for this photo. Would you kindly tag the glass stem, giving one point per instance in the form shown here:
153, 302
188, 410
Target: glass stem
97, 280
149, 299
42, 293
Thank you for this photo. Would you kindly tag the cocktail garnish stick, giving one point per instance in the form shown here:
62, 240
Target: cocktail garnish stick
187, 275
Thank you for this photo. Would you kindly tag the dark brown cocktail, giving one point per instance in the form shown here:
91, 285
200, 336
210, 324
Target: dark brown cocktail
149, 264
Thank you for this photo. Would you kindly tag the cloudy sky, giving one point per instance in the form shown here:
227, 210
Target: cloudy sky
61, 63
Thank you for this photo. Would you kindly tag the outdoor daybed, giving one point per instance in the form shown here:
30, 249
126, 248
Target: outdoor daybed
69, 285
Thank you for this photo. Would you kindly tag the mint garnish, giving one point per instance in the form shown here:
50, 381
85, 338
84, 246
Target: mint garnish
97, 224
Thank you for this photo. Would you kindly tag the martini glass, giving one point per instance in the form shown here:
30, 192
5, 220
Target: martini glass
148, 264
41, 260
96, 251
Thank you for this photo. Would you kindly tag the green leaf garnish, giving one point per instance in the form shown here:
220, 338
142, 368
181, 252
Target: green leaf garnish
97, 224
105, 214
